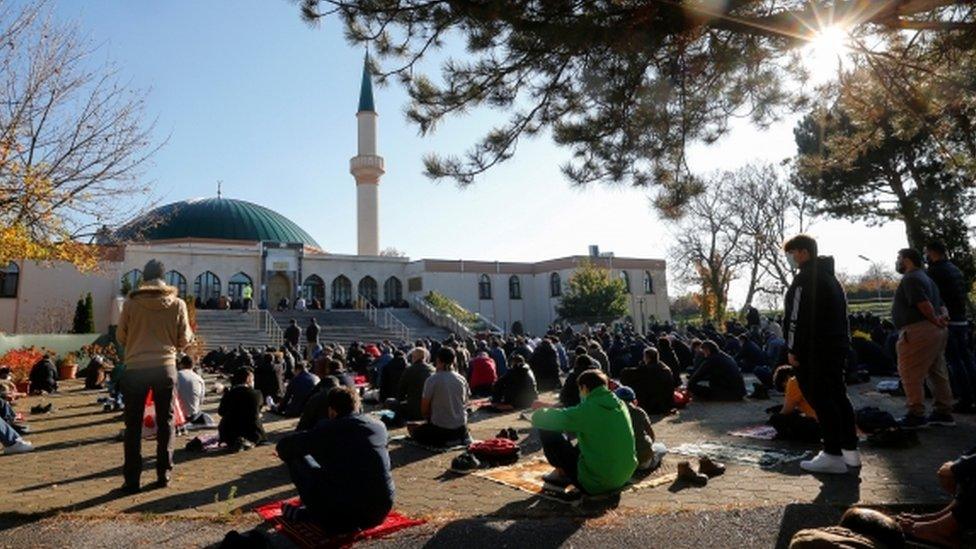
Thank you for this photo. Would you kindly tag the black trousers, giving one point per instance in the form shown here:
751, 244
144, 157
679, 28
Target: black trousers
432, 435
561, 453
135, 385
822, 383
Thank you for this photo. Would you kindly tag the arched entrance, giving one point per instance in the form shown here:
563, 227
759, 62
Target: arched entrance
279, 286
368, 290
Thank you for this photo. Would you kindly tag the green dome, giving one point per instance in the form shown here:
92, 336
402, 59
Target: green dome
221, 218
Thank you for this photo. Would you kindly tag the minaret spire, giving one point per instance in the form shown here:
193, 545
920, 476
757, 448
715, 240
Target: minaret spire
367, 167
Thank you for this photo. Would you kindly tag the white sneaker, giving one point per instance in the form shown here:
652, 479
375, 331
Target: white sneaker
825, 463
19, 447
852, 458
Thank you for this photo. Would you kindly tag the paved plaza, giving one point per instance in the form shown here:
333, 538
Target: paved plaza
66, 489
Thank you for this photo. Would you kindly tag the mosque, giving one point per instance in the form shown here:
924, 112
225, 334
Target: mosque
214, 247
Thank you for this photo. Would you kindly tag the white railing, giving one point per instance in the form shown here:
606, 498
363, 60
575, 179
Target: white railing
265, 321
449, 322
383, 318
441, 320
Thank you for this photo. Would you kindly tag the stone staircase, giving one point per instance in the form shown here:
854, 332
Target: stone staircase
342, 327
419, 326
230, 329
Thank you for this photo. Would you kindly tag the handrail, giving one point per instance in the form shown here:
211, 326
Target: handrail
449, 322
386, 320
265, 321
437, 318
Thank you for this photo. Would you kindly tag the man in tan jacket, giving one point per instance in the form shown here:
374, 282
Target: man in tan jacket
153, 328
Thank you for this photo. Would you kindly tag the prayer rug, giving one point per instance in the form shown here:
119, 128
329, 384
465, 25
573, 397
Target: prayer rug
309, 535
451, 447
527, 476
758, 432
758, 456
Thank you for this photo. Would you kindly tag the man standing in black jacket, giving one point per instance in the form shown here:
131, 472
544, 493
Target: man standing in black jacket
818, 340
952, 288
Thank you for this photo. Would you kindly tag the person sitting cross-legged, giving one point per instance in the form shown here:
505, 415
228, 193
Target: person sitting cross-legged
340, 468
647, 458
516, 389
11, 441
299, 389
652, 382
604, 459
718, 377
410, 389
190, 388
240, 424
443, 403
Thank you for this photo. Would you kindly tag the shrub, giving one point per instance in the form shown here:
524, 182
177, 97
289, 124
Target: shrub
20, 362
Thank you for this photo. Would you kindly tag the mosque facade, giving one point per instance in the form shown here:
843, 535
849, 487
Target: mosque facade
214, 247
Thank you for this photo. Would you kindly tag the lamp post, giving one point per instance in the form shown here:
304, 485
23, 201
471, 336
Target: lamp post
878, 282
643, 319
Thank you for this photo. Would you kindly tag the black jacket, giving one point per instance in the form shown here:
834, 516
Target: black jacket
515, 387
312, 333
240, 415
269, 379
44, 376
390, 377
816, 312
293, 334
653, 386
355, 465
952, 288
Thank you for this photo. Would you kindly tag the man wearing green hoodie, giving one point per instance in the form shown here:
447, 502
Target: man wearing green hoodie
604, 459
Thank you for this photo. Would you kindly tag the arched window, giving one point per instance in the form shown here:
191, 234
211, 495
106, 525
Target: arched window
392, 291
555, 285
131, 280
514, 287
648, 283
235, 288
625, 278
484, 287
313, 288
178, 281
368, 289
341, 292
207, 286
9, 277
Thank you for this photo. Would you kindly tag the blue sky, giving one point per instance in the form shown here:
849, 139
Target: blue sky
247, 93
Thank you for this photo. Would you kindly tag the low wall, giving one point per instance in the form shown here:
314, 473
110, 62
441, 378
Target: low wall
59, 343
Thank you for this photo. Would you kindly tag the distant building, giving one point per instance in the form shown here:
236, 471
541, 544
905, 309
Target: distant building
214, 247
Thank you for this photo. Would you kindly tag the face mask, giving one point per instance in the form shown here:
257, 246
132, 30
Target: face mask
792, 262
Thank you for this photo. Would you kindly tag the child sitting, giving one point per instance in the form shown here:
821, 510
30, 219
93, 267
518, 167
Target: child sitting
796, 419
647, 458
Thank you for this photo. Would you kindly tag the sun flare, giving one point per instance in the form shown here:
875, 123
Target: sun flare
826, 52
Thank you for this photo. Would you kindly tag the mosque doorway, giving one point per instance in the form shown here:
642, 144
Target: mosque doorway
279, 286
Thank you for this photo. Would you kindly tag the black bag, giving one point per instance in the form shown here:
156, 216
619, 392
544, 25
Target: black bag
871, 419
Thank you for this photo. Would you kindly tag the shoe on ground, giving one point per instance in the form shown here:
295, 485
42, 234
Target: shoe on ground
555, 478
19, 447
852, 458
465, 463
129, 488
941, 418
911, 421
512, 434
502, 434
162, 482
689, 475
710, 468
826, 464
20, 428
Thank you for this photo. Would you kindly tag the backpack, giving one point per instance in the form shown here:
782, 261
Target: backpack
495, 451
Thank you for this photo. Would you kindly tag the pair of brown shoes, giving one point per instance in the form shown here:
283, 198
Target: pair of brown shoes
706, 470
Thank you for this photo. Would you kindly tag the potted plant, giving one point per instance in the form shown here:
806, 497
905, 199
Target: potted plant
68, 367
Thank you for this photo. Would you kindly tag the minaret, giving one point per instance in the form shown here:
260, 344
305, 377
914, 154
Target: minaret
367, 167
